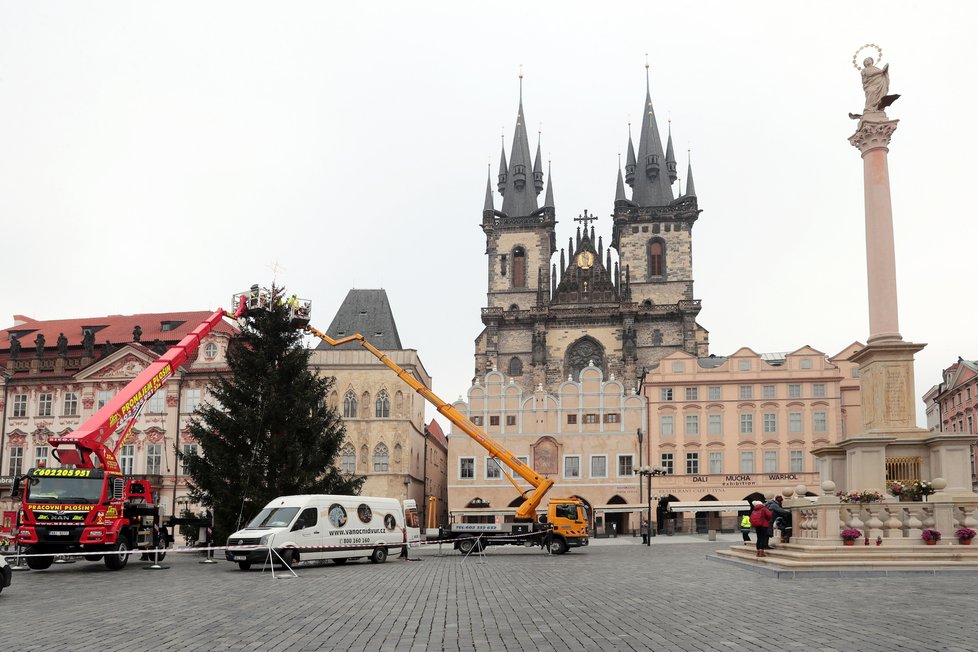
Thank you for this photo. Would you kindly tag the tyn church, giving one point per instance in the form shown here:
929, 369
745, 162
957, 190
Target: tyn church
622, 311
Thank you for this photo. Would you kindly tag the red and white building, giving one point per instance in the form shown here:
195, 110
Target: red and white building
953, 404
58, 373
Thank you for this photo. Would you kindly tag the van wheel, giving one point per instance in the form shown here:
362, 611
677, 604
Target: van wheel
557, 546
38, 563
244, 565
340, 561
379, 556
289, 558
469, 545
119, 560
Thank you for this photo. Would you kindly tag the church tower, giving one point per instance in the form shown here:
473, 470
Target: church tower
550, 316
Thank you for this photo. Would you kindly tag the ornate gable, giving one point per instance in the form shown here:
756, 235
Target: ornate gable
586, 279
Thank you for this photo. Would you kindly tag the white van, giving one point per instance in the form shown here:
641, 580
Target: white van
319, 526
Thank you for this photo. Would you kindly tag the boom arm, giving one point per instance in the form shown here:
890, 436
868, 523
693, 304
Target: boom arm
124, 407
541, 484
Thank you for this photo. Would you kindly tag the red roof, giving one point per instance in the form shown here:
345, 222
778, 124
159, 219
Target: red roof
436, 433
117, 329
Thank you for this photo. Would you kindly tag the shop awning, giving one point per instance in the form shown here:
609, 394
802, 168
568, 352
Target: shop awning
710, 506
619, 509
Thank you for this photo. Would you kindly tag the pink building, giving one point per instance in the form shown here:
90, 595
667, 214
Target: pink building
955, 401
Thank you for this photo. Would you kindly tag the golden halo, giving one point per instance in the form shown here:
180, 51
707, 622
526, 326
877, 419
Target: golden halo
879, 54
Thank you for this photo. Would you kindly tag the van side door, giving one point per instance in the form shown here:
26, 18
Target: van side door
307, 533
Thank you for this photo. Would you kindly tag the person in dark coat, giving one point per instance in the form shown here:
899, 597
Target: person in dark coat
777, 511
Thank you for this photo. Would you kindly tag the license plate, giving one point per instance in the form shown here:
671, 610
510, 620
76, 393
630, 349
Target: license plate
59, 533
240, 557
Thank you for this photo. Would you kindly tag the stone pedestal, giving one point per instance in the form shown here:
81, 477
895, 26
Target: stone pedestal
886, 387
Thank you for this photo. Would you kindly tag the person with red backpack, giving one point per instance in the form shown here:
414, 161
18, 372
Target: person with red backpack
760, 520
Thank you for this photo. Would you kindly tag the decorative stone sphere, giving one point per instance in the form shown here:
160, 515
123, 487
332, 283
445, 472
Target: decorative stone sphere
801, 490
769, 495
828, 487
787, 492
939, 484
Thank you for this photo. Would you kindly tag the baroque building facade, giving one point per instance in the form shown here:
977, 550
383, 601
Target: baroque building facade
952, 405
63, 378
387, 441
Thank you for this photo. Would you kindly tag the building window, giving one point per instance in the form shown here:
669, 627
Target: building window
769, 391
746, 423
818, 390
189, 450
819, 421
20, 406
657, 258
572, 419
44, 402
41, 456
678, 368
715, 424
667, 463
127, 459
794, 422
210, 350
16, 465
611, 417
743, 365
624, 465
715, 393
572, 466
494, 420
348, 458
854, 372
493, 470
666, 425
770, 422
154, 459
519, 267
746, 392
806, 363
599, 466
716, 462
692, 424
665, 393
350, 405
797, 461
381, 459
770, 461
692, 394
466, 468
515, 367
382, 406
692, 463
157, 403
477, 420
746, 461
590, 418
510, 420
70, 406
524, 459
103, 397
794, 390
191, 400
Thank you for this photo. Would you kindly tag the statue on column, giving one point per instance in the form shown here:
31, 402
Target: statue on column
88, 341
39, 344
137, 333
876, 83
62, 345
14, 346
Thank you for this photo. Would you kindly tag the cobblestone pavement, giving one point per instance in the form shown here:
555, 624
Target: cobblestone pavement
611, 596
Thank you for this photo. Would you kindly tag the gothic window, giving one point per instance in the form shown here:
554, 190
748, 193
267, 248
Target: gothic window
348, 458
382, 406
657, 257
350, 404
581, 354
515, 367
381, 458
519, 267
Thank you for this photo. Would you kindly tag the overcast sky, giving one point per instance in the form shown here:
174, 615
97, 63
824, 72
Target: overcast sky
161, 156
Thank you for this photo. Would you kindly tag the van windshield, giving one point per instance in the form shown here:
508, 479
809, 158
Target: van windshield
273, 517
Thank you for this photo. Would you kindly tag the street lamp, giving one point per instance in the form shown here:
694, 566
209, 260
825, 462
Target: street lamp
648, 472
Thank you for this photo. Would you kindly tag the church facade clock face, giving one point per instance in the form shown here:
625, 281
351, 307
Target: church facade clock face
585, 260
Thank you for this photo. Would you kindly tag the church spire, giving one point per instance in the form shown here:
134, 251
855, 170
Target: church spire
538, 168
489, 204
548, 201
503, 167
671, 157
520, 197
652, 186
620, 189
630, 160
690, 189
